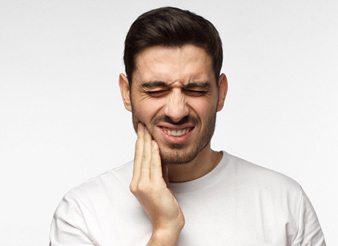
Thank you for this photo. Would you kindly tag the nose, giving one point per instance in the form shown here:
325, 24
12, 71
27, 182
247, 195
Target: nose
176, 107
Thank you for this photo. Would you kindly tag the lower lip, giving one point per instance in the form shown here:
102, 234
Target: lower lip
176, 139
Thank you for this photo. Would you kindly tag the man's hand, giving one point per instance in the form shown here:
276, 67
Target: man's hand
149, 187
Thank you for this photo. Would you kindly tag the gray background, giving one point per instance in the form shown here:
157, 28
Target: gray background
62, 120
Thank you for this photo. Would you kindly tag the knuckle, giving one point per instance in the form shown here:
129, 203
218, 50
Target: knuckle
140, 188
133, 187
143, 187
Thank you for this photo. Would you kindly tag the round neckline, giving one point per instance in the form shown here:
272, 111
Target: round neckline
204, 181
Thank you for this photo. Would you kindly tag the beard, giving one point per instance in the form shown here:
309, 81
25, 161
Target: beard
182, 153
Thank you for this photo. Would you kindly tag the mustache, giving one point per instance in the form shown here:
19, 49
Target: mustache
184, 120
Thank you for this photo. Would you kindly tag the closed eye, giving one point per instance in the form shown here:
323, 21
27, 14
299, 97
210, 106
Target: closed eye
157, 93
195, 93
196, 89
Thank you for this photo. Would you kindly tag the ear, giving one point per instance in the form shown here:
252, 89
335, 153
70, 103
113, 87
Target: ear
125, 91
222, 91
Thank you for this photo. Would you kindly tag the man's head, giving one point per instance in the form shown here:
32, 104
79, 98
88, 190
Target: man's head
173, 85
171, 27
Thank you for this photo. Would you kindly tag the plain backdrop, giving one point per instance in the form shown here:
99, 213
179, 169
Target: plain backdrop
62, 120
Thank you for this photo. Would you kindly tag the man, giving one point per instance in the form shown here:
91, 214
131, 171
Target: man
182, 191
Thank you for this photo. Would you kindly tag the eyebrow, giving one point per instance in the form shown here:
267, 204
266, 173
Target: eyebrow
190, 85
201, 85
154, 84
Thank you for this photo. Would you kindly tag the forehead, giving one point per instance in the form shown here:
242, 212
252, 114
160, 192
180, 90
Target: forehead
184, 63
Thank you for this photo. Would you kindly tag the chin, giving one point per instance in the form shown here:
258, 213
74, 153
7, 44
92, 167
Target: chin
177, 154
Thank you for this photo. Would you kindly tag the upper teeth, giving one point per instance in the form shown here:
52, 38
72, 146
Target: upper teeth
176, 133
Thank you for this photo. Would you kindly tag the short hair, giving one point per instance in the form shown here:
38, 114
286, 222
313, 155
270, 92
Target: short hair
170, 26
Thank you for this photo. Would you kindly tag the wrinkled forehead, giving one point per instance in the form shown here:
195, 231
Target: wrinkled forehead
173, 64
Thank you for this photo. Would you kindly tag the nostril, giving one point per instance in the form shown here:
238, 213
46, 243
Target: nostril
178, 121
176, 112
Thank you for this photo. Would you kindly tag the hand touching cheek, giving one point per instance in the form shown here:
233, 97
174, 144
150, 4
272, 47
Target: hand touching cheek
150, 188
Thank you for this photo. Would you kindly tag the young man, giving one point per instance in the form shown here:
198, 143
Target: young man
182, 191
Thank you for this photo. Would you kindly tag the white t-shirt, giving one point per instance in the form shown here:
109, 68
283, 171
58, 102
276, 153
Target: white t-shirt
237, 203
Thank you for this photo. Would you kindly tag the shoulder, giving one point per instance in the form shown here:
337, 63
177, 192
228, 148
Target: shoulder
86, 211
274, 196
103, 186
259, 175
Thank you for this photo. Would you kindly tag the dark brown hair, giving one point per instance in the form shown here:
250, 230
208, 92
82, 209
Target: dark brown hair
171, 26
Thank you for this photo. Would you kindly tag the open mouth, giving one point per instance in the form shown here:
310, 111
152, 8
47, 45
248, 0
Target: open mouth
177, 132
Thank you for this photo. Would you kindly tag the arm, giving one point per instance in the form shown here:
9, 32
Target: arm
149, 187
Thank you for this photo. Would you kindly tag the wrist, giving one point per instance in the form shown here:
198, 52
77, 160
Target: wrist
165, 236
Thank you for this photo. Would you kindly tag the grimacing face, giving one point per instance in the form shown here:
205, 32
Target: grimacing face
174, 93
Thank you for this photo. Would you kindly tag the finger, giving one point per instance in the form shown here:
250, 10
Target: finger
156, 169
146, 155
138, 154
165, 173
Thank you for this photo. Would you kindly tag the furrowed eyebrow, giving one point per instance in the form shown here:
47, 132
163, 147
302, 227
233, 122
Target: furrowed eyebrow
154, 84
161, 84
200, 85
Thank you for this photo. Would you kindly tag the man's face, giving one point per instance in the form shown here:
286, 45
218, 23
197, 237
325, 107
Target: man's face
174, 93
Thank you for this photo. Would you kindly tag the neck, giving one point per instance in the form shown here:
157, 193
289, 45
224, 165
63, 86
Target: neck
203, 163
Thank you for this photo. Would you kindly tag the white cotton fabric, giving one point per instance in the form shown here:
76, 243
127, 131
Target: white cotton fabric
237, 203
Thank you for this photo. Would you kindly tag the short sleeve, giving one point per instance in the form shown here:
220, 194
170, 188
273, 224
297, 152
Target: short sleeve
309, 230
68, 227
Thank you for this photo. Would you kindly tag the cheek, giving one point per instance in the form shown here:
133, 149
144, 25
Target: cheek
203, 107
144, 111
